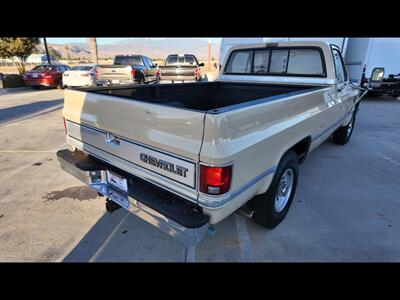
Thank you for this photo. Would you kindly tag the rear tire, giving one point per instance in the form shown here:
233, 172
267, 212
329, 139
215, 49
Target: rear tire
271, 207
342, 135
60, 86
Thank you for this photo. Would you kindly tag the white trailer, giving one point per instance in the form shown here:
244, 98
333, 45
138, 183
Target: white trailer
370, 53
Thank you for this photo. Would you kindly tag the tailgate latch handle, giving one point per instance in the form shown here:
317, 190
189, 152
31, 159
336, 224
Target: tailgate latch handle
111, 139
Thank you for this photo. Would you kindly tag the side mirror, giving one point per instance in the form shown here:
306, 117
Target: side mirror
155, 65
201, 65
377, 77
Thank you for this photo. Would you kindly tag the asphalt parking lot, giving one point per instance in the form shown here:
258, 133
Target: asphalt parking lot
347, 205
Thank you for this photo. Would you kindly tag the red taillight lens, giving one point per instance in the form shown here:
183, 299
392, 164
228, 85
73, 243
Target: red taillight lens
46, 75
65, 126
97, 72
159, 72
133, 73
196, 71
215, 180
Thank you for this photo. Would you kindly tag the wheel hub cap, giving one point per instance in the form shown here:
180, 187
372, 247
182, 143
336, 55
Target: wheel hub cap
284, 190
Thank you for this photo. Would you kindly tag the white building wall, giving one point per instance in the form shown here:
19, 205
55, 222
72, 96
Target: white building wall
384, 52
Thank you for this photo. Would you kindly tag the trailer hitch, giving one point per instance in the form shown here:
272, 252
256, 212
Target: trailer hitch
111, 206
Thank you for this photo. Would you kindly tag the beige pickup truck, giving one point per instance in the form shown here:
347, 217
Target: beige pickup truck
184, 157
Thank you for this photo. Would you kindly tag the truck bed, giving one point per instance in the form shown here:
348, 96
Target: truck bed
204, 96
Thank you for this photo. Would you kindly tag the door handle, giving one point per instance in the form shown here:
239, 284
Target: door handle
111, 139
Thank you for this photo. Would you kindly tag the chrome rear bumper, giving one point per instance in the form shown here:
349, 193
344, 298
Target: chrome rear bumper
176, 217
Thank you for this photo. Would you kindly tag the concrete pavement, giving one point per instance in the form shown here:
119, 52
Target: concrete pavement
346, 207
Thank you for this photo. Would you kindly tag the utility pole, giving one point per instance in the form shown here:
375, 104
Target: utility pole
47, 50
209, 55
93, 49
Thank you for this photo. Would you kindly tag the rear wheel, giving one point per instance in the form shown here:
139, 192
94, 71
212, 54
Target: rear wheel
271, 207
342, 135
60, 85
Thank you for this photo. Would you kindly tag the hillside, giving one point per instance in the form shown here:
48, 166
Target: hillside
146, 46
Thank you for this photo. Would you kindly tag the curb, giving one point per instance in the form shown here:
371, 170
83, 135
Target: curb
10, 90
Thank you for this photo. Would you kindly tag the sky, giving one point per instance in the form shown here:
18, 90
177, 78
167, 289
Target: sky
104, 41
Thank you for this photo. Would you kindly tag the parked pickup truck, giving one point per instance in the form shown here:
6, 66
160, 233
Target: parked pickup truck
128, 69
181, 67
184, 157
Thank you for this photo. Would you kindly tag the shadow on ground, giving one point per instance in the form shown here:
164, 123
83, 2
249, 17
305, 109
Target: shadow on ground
122, 237
20, 111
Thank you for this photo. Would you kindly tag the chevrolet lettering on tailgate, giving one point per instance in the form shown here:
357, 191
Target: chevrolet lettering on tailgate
170, 167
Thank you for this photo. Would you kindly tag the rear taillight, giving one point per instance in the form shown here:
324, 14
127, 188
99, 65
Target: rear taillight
215, 180
65, 125
133, 73
46, 75
159, 72
196, 72
97, 72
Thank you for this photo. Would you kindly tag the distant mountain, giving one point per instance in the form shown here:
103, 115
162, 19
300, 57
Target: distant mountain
146, 46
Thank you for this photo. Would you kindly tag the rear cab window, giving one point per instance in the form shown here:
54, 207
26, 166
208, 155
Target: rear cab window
172, 60
240, 62
128, 60
189, 59
281, 61
42, 68
181, 59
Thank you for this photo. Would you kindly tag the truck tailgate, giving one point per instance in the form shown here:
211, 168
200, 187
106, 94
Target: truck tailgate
137, 132
114, 72
177, 70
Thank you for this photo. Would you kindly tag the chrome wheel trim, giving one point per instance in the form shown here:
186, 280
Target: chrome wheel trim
349, 128
284, 190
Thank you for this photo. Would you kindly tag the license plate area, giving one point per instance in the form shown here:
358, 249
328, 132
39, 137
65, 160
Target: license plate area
119, 197
118, 189
117, 181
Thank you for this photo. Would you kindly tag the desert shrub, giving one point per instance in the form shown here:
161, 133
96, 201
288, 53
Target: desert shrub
14, 80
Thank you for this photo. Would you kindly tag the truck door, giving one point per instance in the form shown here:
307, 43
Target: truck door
152, 70
346, 95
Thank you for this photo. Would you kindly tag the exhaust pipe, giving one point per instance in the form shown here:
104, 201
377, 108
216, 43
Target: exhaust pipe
111, 206
245, 212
